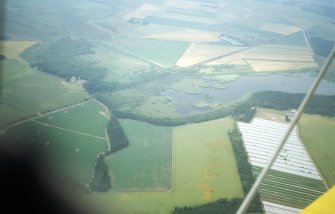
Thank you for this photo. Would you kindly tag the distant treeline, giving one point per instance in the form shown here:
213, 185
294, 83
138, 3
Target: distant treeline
243, 111
319, 104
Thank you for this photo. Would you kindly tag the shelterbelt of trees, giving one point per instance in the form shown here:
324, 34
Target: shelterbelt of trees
101, 178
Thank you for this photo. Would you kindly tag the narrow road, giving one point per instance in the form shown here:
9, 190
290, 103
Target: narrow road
215, 58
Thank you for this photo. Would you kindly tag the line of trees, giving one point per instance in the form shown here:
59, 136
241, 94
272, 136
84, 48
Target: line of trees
222, 206
244, 168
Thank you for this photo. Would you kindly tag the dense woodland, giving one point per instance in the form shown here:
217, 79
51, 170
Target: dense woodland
51, 58
101, 179
118, 139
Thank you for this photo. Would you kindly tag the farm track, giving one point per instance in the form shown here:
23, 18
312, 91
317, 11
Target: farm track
136, 57
68, 130
45, 114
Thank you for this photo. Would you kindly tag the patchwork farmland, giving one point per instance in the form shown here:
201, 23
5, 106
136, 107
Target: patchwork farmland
293, 181
203, 168
172, 77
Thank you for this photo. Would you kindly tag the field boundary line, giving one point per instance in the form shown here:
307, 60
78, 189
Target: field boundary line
68, 130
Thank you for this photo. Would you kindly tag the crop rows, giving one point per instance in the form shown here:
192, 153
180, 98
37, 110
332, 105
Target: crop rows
293, 180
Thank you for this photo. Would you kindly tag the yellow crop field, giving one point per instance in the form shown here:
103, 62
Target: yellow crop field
197, 53
188, 35
269, 58
229, 60
13, 49
268, 66
279, 28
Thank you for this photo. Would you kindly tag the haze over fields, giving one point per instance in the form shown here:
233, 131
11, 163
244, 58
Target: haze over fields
171, 106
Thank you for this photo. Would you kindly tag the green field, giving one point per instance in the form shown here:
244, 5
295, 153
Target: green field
288, 189
80, 119
172, 22
162, 53
292, 39
54, 26
71, 139
204, 169
146, 164
317, 133
70, 154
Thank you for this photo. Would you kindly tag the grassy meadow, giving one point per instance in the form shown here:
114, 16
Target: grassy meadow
146, 164
317, 133
158, 52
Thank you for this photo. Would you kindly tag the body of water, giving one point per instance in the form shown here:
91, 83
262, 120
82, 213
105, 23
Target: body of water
292, 83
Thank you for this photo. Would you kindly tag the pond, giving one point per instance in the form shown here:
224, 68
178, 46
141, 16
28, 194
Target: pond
292, 83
